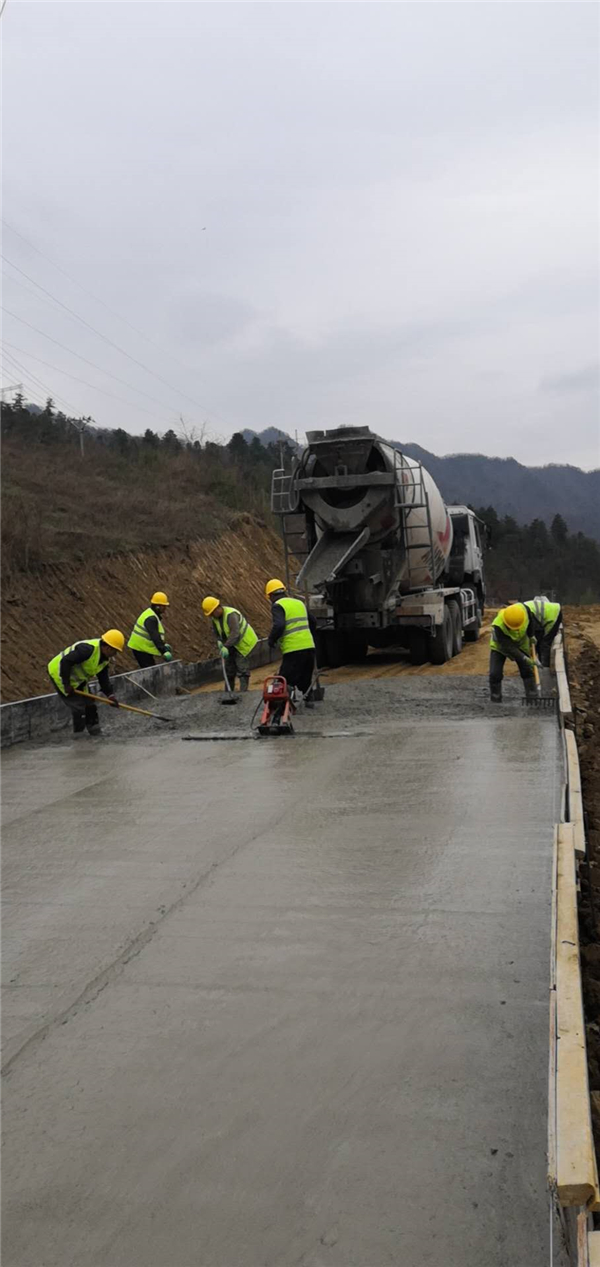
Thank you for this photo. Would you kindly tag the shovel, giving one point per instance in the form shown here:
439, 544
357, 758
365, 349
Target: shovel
230, 698
98, 699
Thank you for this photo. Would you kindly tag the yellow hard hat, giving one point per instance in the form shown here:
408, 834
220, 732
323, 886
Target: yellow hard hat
273, 587
114, 638
515, 616
160, 598
210, 604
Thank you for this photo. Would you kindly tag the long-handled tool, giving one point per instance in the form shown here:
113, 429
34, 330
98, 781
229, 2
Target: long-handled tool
538, 700
98, 699
229, 698
139, 684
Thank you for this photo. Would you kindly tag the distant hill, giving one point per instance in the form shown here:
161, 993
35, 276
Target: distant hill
525, 492
271, 435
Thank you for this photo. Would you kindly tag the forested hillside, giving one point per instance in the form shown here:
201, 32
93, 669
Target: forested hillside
72, 497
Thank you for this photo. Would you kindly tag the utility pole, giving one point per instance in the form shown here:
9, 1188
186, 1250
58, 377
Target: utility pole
16, 387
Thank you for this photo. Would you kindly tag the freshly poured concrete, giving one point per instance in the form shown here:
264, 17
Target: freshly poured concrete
279, 1003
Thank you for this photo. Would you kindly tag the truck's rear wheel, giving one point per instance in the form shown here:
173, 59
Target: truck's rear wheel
335, 649
357, 648
457, 629
418, 650
440, 643
472, 633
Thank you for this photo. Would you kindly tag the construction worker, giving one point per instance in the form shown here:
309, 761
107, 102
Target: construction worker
514, 631
235, 639
147, 640
291, 629
74, 667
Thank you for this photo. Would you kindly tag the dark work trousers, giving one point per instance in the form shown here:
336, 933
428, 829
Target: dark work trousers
497, 659
545, 643
297, 667
84, 713
144, 659
236, 665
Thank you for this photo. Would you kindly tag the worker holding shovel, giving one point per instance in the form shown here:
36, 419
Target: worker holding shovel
73, 668
235, 639
515, 632
147, 638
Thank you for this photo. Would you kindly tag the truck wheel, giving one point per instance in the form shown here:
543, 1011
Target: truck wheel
335, 650
440, 643
357, 649
321, 648
418, 650
472, 633
457, 630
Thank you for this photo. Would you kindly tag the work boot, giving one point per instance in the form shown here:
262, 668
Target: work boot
94, 729
496, 694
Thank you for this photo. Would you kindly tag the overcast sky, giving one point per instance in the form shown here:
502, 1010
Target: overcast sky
317, 214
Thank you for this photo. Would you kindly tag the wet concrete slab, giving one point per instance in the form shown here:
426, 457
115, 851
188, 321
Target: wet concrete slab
271, 1004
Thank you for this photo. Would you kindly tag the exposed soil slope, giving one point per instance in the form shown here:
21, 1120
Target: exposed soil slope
45, 611
583, 647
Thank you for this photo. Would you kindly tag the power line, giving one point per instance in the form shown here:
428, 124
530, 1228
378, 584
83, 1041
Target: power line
23, 369
97, 299
93, 365
75, 378
105, 337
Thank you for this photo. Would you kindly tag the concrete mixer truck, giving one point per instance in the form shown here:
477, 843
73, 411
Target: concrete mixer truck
382, 560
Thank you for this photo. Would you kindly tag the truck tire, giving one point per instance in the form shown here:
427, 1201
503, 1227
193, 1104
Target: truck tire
321, 648
440, 643
472, 633
457, 629
418, 650
335, 649
357, 649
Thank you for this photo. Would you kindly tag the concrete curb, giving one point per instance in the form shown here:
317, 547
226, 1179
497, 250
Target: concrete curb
44, 714
572, 1168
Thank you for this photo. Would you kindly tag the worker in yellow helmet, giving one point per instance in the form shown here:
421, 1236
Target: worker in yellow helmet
73, 668
291, 629
147, 638
514, 632
235, 639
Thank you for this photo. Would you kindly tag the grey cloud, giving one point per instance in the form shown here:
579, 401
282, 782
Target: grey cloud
198, 319
586, 379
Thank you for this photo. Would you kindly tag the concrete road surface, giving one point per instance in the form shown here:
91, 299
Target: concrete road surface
280, 1004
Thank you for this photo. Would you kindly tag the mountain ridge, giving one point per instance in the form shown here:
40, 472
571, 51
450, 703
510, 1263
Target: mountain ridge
524, 492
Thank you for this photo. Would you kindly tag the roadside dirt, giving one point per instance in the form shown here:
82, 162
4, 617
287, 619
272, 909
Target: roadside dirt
45, 611
583, 651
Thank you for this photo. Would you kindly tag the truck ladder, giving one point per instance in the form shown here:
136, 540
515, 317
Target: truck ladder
421, 502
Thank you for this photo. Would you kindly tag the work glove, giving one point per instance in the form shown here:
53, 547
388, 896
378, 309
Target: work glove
70, 690
168, 646
112, 699
224, 652
167, 655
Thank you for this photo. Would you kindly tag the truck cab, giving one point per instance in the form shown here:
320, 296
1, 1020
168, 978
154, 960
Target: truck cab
465, 565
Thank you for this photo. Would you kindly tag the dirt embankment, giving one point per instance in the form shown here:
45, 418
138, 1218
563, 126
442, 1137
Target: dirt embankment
46, 611
583, 650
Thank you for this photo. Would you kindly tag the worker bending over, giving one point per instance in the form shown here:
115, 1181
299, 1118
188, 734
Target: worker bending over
514, 632
74, 667
291, 629
235, 639
147, 639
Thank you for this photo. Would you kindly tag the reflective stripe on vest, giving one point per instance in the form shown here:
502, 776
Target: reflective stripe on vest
296, 635
139, 640
80, 673
546, 612
520, 638
247, 639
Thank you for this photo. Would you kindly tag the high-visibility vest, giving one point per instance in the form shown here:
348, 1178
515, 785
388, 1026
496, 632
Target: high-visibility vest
80, 673
296, 635
546, 612
247, 639
520, 637
139, 640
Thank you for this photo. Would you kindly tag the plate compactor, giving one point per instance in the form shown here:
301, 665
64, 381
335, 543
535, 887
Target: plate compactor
278, 707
